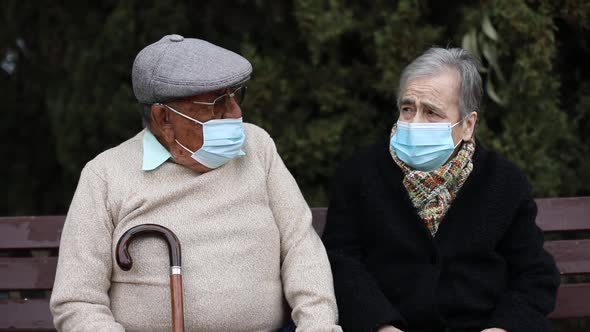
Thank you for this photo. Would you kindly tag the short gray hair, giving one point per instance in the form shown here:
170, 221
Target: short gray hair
146, 114
435, 61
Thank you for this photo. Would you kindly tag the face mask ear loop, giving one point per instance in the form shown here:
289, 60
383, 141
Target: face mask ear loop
458, 122
184, 116
461, 140
182, 146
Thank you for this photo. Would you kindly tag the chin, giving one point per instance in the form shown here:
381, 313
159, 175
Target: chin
203, 169
200, 168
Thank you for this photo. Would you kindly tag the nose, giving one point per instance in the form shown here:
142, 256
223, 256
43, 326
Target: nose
417, 118
232, 110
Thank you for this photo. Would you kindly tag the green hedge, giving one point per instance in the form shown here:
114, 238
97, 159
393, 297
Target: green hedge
325, 74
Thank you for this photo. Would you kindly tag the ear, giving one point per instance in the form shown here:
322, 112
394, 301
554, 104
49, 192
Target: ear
469, 126
160, 124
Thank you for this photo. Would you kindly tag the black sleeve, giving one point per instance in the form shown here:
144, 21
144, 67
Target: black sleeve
361, 304
533, 276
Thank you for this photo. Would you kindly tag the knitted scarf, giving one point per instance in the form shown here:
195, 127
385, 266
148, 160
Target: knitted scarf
433, 192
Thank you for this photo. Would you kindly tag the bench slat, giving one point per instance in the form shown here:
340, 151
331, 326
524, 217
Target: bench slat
572, 302
29, 315
31, 273
554, 214
571, 256
34, 314
30, 232
563, 214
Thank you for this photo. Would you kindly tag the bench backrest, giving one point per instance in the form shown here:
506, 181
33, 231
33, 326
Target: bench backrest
29, 246
28, 258
569, 219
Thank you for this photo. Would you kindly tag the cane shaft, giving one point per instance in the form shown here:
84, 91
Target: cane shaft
177, 307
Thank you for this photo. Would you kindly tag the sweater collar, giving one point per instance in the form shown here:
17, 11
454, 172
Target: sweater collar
154, 153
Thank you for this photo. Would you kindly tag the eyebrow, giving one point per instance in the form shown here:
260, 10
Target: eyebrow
407, 101
412, 101
432, 107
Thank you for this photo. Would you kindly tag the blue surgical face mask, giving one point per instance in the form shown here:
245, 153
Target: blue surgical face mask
423, 146
222, 140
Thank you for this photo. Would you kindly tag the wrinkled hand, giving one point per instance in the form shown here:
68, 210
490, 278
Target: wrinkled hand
389, 328
494, 329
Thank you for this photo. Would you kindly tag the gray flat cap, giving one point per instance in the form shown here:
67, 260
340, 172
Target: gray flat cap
176, 67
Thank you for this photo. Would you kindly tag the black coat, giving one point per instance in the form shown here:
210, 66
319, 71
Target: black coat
486, 266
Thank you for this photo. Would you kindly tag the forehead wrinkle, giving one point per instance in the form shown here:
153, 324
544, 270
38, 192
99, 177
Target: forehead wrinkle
423, 91
427, 94
423, 99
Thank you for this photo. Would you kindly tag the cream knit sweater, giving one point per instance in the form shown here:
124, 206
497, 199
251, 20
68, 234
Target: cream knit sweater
247, 245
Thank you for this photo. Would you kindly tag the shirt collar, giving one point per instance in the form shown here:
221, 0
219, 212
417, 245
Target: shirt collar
154, 154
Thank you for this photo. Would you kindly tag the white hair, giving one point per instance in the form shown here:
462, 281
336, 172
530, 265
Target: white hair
437, 60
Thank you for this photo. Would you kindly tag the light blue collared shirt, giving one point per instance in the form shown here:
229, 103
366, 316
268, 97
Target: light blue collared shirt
154, 154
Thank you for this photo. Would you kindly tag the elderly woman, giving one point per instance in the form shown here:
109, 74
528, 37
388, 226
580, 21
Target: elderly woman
432, 232
216, 182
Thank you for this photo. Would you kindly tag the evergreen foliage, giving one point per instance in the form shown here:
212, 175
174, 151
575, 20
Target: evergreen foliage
325, 74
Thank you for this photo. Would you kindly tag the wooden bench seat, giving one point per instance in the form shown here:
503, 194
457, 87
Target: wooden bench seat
29, 247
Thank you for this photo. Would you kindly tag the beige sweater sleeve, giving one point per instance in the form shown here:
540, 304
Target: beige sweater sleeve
80, 299
305, 270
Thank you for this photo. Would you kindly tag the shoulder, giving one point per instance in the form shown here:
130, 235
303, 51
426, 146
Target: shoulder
500, 171
123, 158
255, 134
259, 146
365, 165
258, 141
499, 165
365, 158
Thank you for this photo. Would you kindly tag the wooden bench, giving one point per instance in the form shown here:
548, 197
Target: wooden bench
28, 257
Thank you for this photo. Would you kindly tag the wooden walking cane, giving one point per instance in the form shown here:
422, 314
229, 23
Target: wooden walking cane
125, 263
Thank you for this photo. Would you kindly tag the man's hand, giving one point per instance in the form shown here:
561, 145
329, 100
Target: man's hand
389, 328
494, 329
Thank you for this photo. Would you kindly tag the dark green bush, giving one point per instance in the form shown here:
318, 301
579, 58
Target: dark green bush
324, 81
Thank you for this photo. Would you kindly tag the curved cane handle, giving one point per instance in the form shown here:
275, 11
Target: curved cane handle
124, 259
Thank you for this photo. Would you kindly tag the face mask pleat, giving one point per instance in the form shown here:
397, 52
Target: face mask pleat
222, 141
423, 146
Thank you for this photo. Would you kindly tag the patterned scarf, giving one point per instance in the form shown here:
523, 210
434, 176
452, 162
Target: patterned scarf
433, 192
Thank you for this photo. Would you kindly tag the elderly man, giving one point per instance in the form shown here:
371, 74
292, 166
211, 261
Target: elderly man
432, 232
220, 185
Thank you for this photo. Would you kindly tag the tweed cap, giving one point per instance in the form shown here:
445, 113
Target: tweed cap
176, 67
